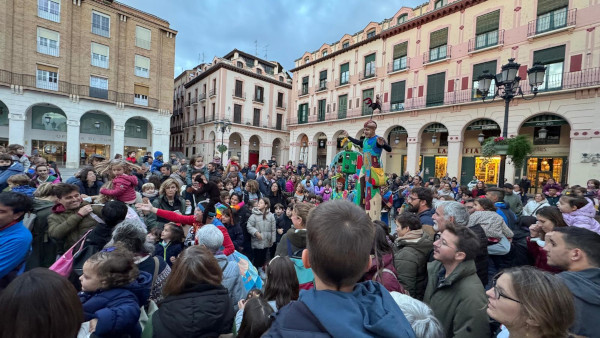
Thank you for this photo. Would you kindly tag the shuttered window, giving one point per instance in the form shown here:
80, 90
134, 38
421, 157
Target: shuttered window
141, 90
545, 6
142, 66
438, 38
553, 58
142, 37
344, 73
370, 65
238, 88
549, 55
367, 94
48, 42
488, 22
99, 55
305, 85
479, 70
400, 59
237, 113
397, 97
321, 109
435, 89
323, 79
303, 113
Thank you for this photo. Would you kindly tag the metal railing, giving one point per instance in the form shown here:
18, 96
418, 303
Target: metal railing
324, 85
99, 62
143, 43
212, 92
31, 82
260, 99
303, 92
398, 65
281, 105
368, 75
239, 95
202, 97
260, 124
45, 13
437, 54
485, 40
186, 103
338, 82
551, 21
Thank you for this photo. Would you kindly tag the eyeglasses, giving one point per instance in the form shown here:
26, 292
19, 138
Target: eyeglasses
444, 243
410, 198
498, 293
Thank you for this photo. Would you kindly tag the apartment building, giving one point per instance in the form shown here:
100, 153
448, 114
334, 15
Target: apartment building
424, 64
84, 77
244, 92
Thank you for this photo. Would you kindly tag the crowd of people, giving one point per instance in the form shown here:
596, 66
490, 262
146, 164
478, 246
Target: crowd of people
153, 247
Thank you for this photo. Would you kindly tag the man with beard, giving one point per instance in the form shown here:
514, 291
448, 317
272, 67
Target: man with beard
419, 201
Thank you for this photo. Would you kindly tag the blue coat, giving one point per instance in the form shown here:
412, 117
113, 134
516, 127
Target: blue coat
14, 169
118, 309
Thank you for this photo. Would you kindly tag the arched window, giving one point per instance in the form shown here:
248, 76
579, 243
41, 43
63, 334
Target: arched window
371, 33
402, 18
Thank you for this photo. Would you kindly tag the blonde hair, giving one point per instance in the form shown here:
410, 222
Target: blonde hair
44, 190
252, 186
148, 185
167, 183
19, 179
106, 167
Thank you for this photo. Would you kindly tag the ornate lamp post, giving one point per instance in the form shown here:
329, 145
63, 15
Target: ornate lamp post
511, 88
222, 126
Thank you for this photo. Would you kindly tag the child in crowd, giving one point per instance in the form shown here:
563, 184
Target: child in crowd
339, 193
283, 221
382, 260
338, 306
578, 212
319, 188
327, 192
300, 192
233, 229
149, 192
123, 184
257, 319
20, 183
153, 237
171, 243
261, 227
17, 152
156, 163
113, 290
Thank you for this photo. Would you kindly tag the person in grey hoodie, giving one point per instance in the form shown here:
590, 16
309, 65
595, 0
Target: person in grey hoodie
513, 200
211, 238
576, 251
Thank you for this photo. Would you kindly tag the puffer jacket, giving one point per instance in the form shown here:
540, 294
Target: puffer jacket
67, 226
410, 261
583, 218
493, 224
266, 227
123, 188
532, 207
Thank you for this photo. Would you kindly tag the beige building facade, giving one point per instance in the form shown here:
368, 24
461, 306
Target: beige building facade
250, 93
84, 77
424, 63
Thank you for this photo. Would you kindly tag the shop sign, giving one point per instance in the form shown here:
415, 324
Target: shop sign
97, 139
47, 135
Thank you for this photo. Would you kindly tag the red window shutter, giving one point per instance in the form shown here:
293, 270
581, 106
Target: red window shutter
465, 83
523, 71
450, 86
385, 97
409, 93
576, 62
420, 91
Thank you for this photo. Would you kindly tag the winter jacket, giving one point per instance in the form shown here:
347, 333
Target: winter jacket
514, 202
289, 186
384, 273
264, 225
279, 198
426, 217
24, 160
493, 224
296, 237
509, 217
319, 190
168, 250
410, 261
237, 236
123, 188
188, 176
24, 189
67, 226
532, 207
368, 311
178, 179
36, 183
14, 169
118, 309
232, 280
547, 187
477, 192
583, 218
156, 164
153, 220
458, 301
585, 286
482, 257
263, 185
540, 256
85, 189
131, 160
15, 241
552, 200
283, 222
148, 264
202, 310
43, 249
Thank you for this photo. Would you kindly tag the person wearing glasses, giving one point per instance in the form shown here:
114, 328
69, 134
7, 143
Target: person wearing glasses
530, 303
454, 291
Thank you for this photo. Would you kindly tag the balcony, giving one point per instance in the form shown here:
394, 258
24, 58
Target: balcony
47, 49
486, 40
557, 20
303, 91
558, 82
99, 61
51, 14
194, 100
142, 72
142, 43
343, 82
323, 85
47, 84
140, 101
257, 124
362, 76
187, 103
437, 54
202, 97
281, 105
212, 92
399, 65
239, 95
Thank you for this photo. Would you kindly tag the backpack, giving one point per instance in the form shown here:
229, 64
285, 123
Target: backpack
305, 276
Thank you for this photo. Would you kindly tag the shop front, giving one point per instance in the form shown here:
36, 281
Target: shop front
49, 131
473, 164
95, 135
396, 159
136, 137
434, 149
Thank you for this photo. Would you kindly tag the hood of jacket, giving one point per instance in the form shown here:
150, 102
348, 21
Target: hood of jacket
141, 287
157, 154
124, 179
255, 211
584, 284
387, 260
587, 211
297, 237
464, 269
40, 204
423, 244
24, 189
15, 168
368, 311
501, 205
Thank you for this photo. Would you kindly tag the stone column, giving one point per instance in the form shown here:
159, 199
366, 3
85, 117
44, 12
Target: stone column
331, 151
312, 154
412, 155
16, 129
245, 151
73, 144
119, 141
455, 147
266, 150
160, 142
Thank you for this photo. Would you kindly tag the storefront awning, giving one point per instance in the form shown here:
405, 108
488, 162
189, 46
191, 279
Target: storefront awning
545, 120
484, 125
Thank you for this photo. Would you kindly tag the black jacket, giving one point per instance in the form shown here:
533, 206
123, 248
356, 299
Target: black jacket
201, 311
481, 260
284, 223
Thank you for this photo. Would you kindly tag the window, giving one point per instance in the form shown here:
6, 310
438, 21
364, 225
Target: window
280, 100
47, 77
48, 42
214, 111
303, 113
237, 113
321, 110
258, 71
143, 37
402, 19
279, 122
49, 10
371, 33
478, 70
344, 73
99, 55
142, 66
397, 96
324, 53
435, 89
100, 24
553, 58
486, 31
370, 65
140, 95
240, 64
342, 106
323, 80
551, 15
438, 45
304, 85
306, 60
400, 59
249, 62
256, 119
258, 94
269, 69
346, 44
239, 88
368, 93
440, 3
99, 87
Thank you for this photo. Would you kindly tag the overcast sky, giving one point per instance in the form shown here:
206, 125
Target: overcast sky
283, 29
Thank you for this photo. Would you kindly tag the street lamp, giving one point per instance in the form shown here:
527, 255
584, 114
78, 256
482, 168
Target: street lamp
510, 82
397, 140
434, 138
480, 138
222, 126
138, 129
543, 133
97, 124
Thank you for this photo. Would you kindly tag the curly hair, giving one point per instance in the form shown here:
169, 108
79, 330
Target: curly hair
115, 266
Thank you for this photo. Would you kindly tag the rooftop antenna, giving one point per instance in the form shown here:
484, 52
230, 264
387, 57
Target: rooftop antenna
266, 50
255, 47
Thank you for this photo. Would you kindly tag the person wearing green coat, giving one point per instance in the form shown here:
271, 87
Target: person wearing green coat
454, 292
43, 249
